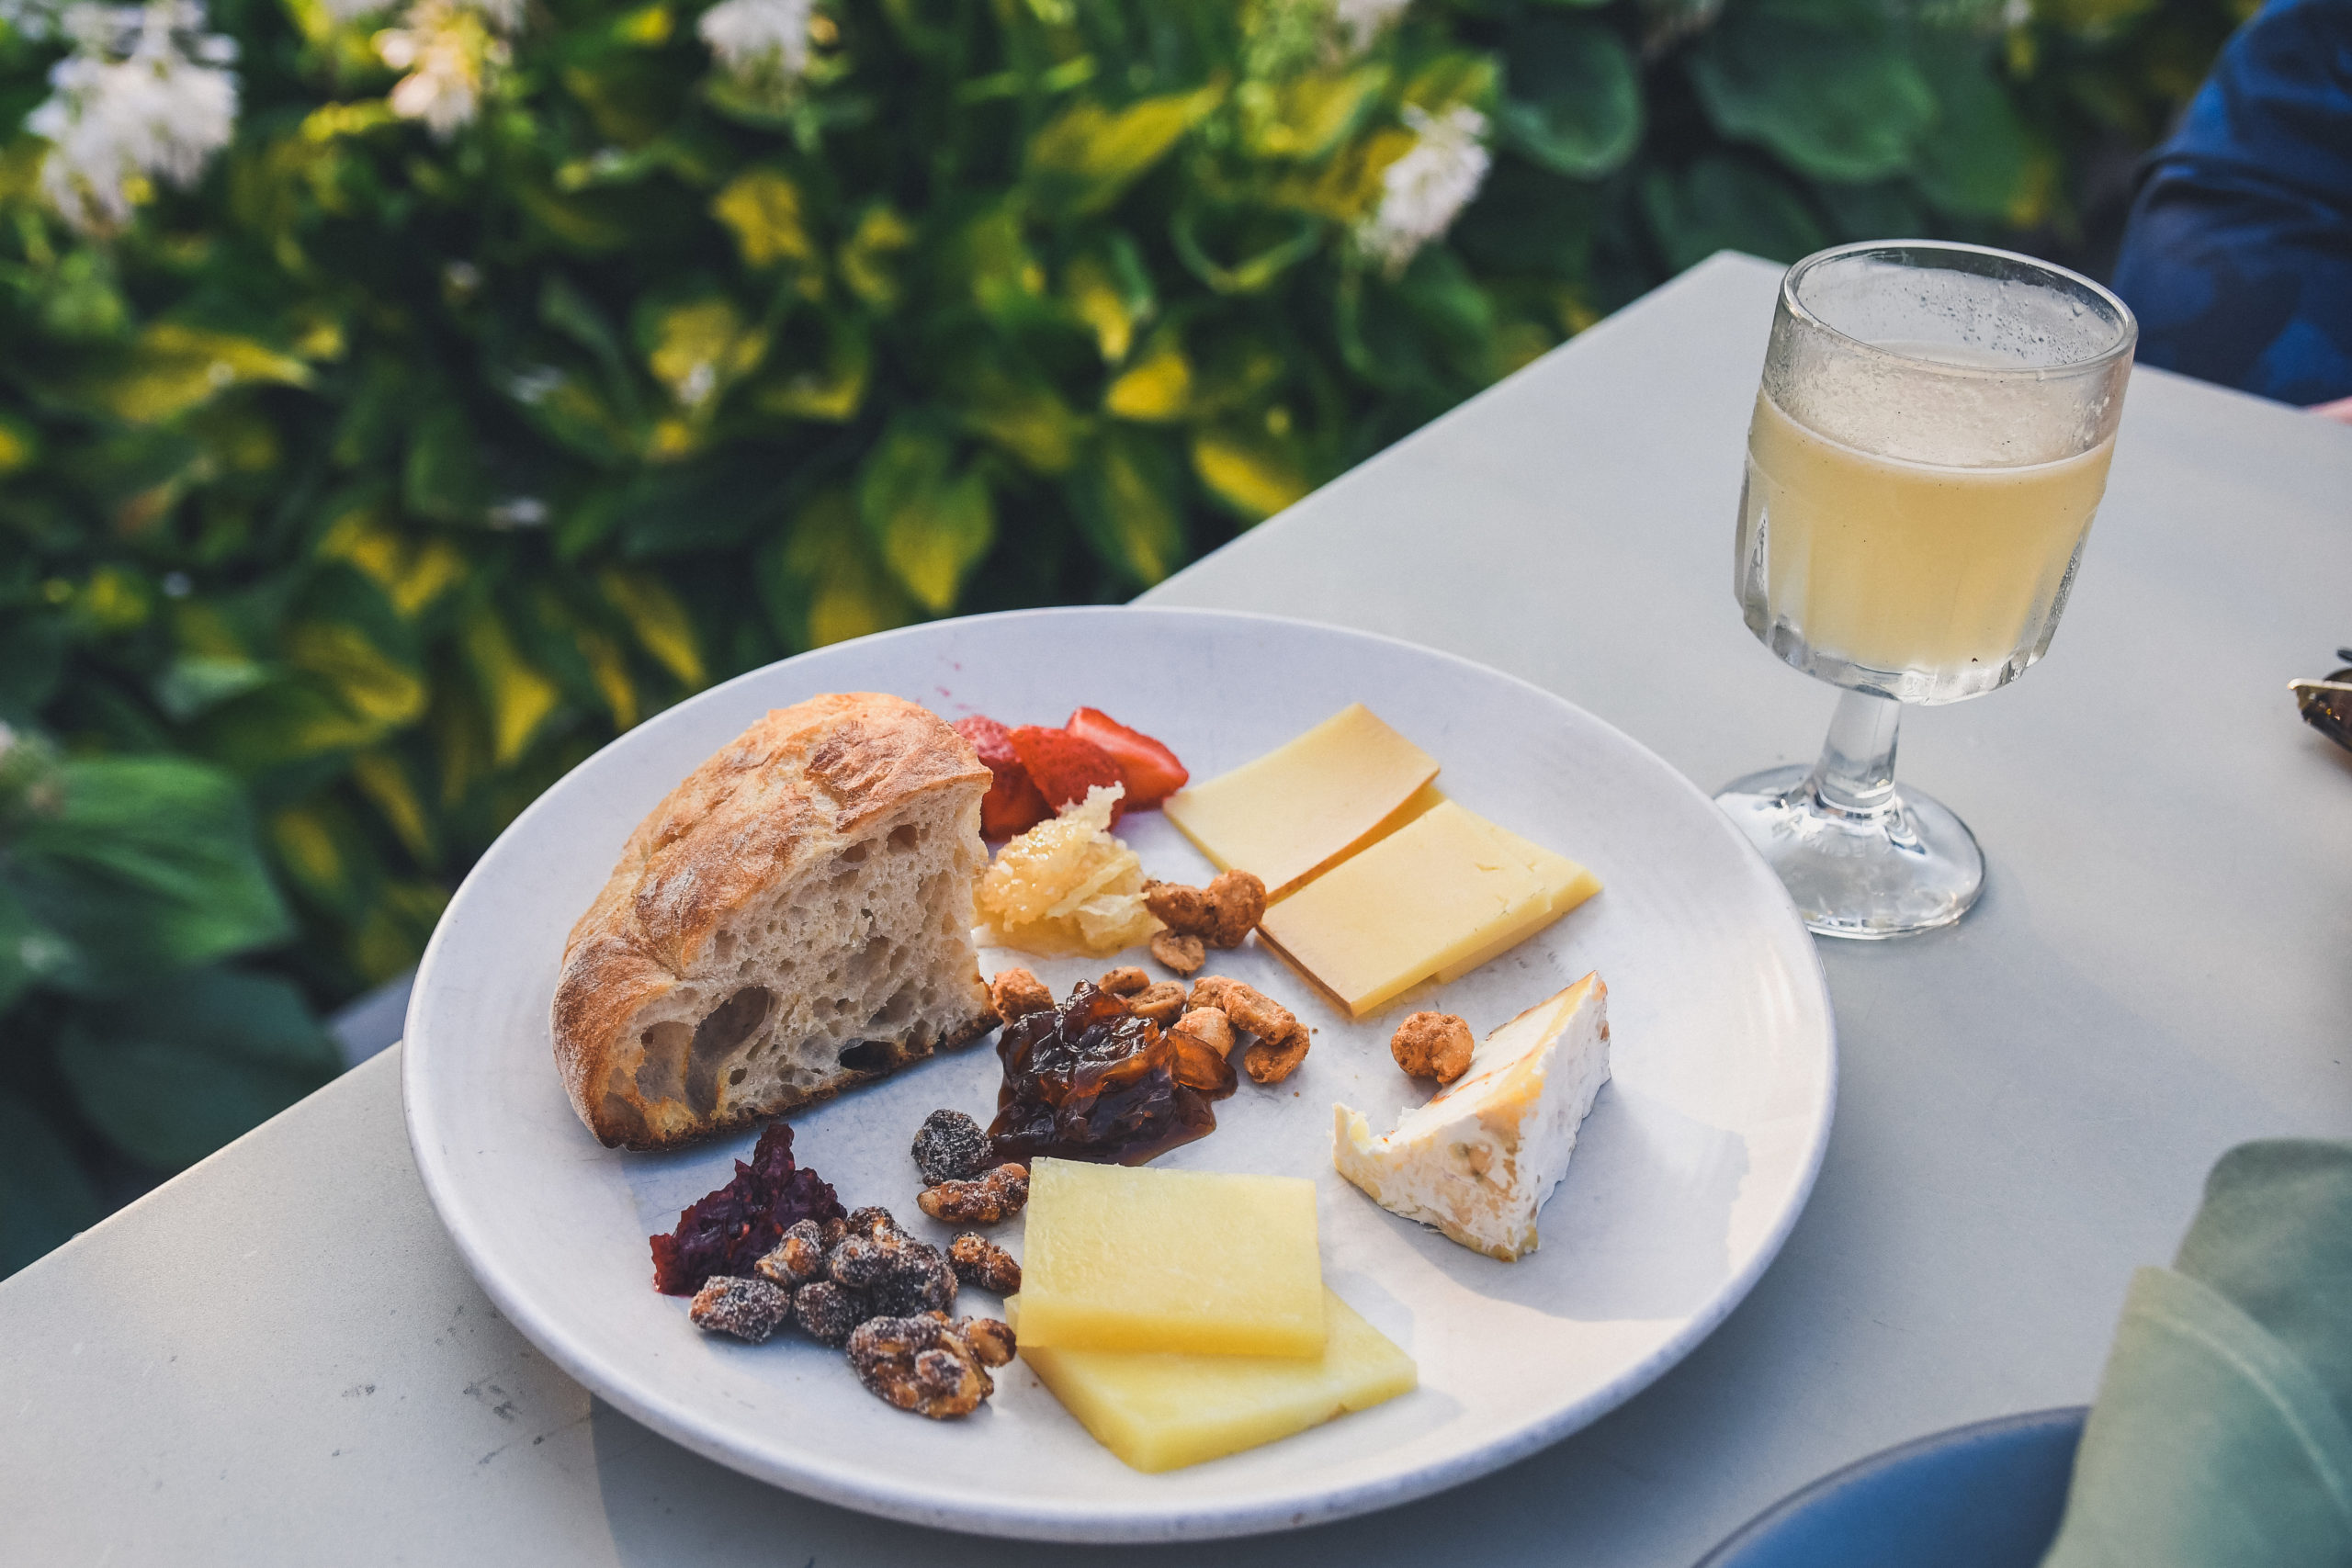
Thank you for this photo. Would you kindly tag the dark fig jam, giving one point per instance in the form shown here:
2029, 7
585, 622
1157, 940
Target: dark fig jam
731, 1229
1094, 1080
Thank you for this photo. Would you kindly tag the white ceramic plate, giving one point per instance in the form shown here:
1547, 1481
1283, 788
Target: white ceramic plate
1689, 1173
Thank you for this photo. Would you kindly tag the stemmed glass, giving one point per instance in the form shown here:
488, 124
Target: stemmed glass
1930, 442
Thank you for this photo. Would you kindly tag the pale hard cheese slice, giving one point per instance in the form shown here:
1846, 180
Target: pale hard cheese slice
1115, 1258
1439, 896
1161, 1412
1308, 803
1480, 1159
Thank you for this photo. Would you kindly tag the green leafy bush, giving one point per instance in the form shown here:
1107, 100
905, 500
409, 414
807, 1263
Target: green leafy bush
514, 371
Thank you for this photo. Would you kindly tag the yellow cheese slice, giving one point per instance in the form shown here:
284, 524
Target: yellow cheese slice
1120, 1258
1163, 1412
1309, 802
1439, 896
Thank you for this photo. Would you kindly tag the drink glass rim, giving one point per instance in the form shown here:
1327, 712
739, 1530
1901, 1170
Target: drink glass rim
2127, 331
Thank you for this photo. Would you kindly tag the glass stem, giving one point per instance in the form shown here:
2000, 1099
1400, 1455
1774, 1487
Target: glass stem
1855, 773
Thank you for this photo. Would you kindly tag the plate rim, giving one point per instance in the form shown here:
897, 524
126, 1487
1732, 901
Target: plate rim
891, 1498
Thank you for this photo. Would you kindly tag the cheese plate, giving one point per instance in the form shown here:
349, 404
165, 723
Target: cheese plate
1697, 1157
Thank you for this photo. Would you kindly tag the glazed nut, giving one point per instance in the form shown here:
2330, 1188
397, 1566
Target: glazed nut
1159, 1002
1274, 1058
1184, 954
981, 1262
919, 1363
1433, 1045
827, 1312
1124, 982
1183, 911
1251, 1010
951, 1147
1237, 903
748, 1309
797, 1260
1016, 993
998, 1195
1208, 1026
991, 1341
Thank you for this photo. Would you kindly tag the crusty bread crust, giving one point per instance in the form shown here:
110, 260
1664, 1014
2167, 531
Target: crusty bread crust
795, 798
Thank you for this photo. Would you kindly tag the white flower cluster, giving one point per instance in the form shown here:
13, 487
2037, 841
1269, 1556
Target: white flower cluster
760, 39
1360, 22
145, 95
1423, 192
450, 50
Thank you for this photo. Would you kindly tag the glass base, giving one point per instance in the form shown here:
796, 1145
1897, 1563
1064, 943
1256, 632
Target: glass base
1910, 866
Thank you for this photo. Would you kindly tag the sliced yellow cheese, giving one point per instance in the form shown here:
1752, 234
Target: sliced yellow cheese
1439, 896
1308, 804
1120, 1258
1163, 1412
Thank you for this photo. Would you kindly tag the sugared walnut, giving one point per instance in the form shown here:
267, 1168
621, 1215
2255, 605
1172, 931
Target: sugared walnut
827, 1312
981, 1262
895, 1273
1208, 1026
748, 1309
990, 1340
1273, 1059
1184, 954
1221, 914
1123, 982
998, 1195
797, 1259
952, 1147
873, 1220
1016, 993
833, 1232
919, 1363
1159, 1002
1433, 1045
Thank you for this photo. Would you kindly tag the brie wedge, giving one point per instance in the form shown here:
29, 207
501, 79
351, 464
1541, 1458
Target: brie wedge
1480, 1159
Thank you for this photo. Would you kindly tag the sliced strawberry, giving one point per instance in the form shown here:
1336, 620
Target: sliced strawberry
1013, 803
1065, 765
1152, 771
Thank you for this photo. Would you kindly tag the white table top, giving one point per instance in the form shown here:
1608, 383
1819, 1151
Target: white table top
280, 1358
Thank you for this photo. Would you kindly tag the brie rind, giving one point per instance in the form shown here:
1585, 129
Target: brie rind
1480, 1159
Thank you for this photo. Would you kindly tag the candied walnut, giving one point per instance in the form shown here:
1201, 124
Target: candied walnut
873, 1220
1184, 954
1251, 1010
990, 1340
748, 1309
1221, 914
1094, 1081
919, 1363
1123, 982
833, 1232
897, 1273
1433, 1045
1016, 993
1273, 1059
797, 1259
827, 1312
998, 1195
1159, 1002
980, 1261
1208, 1026
952, 1147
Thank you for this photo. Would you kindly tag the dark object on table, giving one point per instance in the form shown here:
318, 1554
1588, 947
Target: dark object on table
729, 1230
2238, 258
2327, 704
951, 1147
1986, 1495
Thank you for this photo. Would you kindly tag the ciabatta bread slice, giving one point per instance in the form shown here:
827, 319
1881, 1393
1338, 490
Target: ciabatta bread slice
793, 920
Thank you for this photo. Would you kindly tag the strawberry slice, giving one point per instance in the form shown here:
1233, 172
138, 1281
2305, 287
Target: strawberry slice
1013, 803
1065, 765
1150, 770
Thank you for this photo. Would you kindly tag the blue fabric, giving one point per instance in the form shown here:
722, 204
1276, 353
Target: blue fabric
2238, 257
